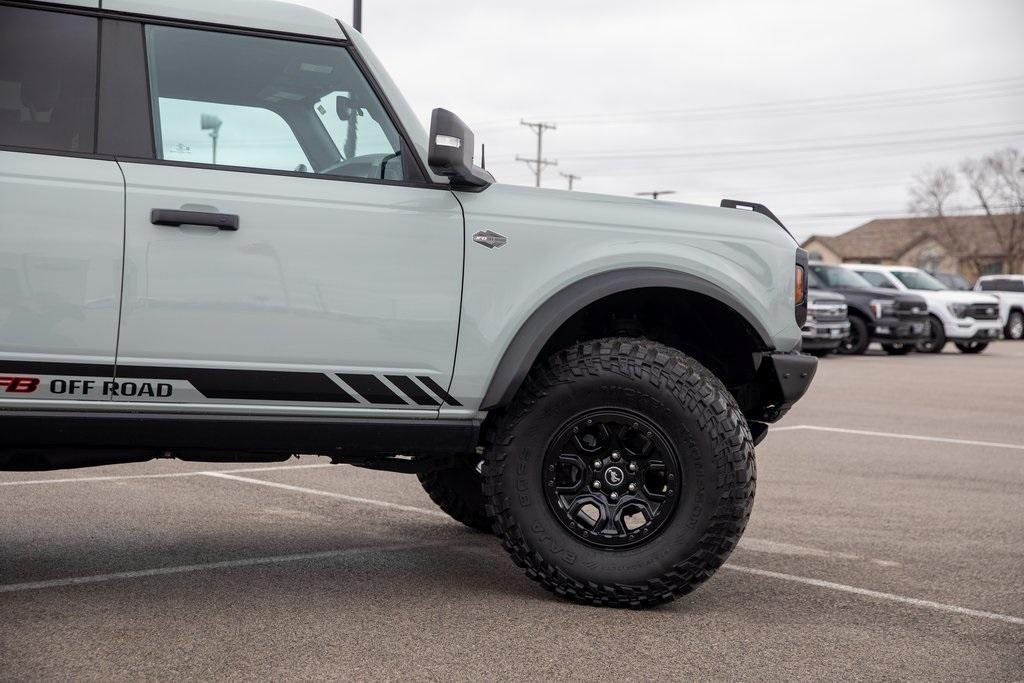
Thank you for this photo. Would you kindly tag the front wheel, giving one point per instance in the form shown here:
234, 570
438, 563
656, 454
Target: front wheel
972, 346
622, 474
858, 340
935, 340
1014, 326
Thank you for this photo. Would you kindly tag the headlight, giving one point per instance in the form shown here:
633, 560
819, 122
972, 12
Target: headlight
882, 307
959, 310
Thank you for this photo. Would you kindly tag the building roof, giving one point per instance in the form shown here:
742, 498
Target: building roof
890, 238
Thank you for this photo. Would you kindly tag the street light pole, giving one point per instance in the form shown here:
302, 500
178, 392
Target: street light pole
357, 15
211, 123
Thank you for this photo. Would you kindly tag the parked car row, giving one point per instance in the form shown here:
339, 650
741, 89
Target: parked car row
906, 309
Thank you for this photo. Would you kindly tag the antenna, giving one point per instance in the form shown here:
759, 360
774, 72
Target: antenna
357, 15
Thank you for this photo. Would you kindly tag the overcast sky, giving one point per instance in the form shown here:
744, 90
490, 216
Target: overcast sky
823, 110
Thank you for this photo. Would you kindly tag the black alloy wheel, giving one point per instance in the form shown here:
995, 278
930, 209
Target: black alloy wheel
612, 478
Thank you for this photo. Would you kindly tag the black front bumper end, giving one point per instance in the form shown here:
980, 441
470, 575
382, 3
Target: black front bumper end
781, 380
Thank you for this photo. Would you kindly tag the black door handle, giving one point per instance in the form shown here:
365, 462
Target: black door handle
175, 218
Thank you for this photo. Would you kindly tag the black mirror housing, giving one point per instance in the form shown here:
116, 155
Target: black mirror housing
451, 151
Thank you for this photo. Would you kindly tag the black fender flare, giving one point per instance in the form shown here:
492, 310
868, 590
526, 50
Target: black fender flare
522, 352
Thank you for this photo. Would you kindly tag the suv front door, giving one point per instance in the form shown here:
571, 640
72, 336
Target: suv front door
61, 215
282, 252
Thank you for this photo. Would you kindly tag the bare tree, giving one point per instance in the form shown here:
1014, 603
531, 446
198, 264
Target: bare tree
996, 181
931, 194
995, 185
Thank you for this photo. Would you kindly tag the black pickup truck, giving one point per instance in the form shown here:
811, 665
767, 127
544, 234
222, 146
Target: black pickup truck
895, 319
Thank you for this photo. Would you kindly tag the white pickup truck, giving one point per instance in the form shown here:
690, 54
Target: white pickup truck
969, 319
1009, 289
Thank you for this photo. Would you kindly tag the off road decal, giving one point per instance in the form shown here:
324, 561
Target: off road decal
21, 379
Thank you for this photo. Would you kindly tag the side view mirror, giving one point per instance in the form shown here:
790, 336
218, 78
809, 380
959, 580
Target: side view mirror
451, 151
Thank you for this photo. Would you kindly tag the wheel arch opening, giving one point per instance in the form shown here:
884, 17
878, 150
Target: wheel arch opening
698, 323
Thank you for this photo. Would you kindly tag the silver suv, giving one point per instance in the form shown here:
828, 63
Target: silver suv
226, 236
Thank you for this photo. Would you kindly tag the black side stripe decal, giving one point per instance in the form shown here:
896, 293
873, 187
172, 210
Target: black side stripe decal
249, 385
372, 389
436, 388
257, 385
412, 390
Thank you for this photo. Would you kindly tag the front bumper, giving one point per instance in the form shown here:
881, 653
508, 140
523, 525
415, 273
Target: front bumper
893, 330
968, 328
781, 380
824, 335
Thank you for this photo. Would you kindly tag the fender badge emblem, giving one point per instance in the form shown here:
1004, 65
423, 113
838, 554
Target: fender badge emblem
490, 239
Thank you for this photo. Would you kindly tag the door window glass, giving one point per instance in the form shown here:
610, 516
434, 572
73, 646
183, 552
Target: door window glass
876, 279
47, 80
229, 135
265, 103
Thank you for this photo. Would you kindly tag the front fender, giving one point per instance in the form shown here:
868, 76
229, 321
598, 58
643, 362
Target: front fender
567, 249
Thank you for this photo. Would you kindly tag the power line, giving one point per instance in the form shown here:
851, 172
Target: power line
539, 162
881, 212
852, 155
746, 150
1001, 87
829, 138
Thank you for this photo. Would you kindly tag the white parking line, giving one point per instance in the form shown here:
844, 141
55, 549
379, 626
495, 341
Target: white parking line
757, 543
164, 475
760, 545
330, 494
99, 578
208, 566
843, 588
896, 435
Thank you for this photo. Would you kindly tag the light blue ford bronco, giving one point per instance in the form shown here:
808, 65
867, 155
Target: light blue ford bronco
226, 236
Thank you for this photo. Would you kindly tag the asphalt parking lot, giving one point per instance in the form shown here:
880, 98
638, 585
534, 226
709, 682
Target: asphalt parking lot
887, 541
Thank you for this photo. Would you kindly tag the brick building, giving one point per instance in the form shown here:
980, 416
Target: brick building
970, 245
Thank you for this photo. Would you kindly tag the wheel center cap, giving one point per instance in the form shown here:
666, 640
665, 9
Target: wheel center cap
614, 476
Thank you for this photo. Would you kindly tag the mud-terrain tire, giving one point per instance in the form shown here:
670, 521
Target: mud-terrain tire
859, 338
669, 400
458, 491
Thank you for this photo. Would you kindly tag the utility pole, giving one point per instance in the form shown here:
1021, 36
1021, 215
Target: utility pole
537, 165
655, 194
570, 177
357, 15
